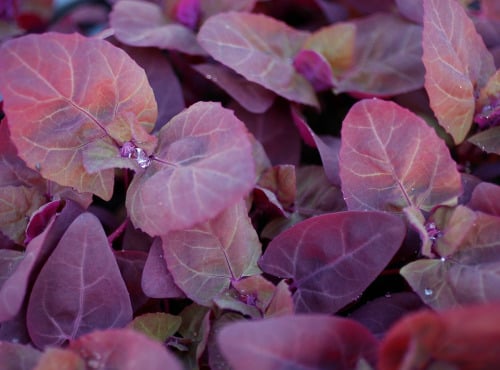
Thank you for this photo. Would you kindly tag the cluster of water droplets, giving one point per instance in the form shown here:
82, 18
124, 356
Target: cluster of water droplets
130, 150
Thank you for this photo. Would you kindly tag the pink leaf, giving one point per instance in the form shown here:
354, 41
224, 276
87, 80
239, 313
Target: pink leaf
18, 356
49, 79
202, 165
333, 258
391, 159
123, 349
485, 198
261, 49
296, 342
205, 258
141, 23
457, 64
79, 288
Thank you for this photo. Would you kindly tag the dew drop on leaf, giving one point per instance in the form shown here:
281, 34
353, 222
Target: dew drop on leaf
428, 292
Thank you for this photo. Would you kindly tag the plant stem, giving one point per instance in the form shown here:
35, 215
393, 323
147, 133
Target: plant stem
119, 231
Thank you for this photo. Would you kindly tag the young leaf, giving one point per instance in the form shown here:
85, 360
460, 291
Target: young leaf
139, 23
297, 342
470, 275
80, 91
205, 258
79, 288
488, 140
391, 159
333, 258
61, 359
463, 338
261, 49
457, 65
202, 165
123, 349
158, 326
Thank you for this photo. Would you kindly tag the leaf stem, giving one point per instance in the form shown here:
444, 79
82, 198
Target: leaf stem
118, 231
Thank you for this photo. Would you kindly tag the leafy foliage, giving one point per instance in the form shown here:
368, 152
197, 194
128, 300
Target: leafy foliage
249, 184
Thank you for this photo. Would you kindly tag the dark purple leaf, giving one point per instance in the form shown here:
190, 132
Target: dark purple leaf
333, 258
123, 349
315, 68
163, 81
391, 159
79, 289
41, 218
273, 129
249, 95
142, 23
380, 314
131, 265
204, 259
297, 342
157, 281
202, 165
261, 49
45, 79
457, 64
18, 356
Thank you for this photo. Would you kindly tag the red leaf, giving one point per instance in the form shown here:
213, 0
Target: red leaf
141, 23
48, 79
391, 159
457, 64
297, 342
205, 258
463, 338
202, 165
333, 258
123, 349
79, 288
261, 49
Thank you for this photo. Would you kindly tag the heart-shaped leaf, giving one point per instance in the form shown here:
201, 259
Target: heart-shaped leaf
391, 159
202, 165
79, 91
79, 288
333, 258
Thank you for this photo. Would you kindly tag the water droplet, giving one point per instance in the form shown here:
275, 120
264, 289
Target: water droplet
93, 363
388, 295
38, 167
428, 292
141, 157
443, 259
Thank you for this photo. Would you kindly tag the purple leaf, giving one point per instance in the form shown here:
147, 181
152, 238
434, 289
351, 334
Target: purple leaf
273, 129
202, 165
123, 349
297, 342
141, 23
391, 159
485, 198
205, 258
487, 140
261, 49
457, 63
163, 81
79, 288
131, 265
333, 258
315, 68
157, 282
249, 95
